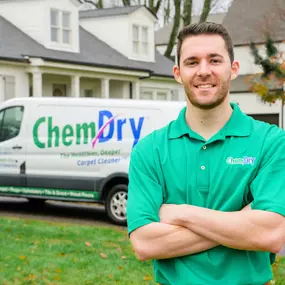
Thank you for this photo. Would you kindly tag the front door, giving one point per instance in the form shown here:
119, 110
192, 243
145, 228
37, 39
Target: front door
12, 147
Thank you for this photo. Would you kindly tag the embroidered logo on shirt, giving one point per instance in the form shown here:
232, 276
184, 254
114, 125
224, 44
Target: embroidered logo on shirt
241, 160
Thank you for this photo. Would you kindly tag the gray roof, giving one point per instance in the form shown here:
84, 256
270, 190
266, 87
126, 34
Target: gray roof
248, 20
162, 35
15, 45
108, 12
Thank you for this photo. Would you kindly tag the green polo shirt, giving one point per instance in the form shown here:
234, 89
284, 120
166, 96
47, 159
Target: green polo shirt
244, 162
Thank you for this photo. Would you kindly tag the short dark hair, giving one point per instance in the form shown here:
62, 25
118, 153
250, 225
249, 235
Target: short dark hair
205, 28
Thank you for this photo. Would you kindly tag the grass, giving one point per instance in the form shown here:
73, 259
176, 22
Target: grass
49, 253
35, 252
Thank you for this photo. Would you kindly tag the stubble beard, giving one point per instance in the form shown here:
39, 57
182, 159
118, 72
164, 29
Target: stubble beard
221, 96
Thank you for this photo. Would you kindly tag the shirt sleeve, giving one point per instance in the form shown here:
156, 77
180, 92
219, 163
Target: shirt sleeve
268, 187
145, 194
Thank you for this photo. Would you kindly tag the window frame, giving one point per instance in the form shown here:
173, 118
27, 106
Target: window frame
140, 41
3, 118
61, 28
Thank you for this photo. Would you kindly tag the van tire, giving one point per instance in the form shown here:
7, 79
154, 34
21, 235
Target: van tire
116, 203
36, 202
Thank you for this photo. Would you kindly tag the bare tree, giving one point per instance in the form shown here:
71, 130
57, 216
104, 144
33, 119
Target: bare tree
205, 11
175, 28
187, 12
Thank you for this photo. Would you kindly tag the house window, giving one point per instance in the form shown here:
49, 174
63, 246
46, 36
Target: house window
60, 26
88, 93
59, 90
161, 96
146, 95
144, 41
136, 41
140, 40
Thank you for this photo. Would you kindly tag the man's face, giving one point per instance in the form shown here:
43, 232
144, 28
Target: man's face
205, 70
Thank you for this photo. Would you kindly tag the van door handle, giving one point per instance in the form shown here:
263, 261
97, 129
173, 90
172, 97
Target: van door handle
16, 147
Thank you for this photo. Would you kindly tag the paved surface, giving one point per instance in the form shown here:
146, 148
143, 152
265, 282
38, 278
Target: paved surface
78, 213
88, 214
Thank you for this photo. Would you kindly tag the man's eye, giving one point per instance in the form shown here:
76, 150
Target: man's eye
215, 61
191, 63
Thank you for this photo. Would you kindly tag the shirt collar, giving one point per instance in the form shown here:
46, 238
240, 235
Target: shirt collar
239, 125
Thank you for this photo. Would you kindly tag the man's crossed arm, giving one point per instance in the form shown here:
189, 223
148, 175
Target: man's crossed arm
186, 229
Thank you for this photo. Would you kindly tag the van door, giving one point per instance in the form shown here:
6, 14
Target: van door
12, 147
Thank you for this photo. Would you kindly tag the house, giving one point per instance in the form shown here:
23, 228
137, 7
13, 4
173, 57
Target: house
162, 35
248, 21
51, 48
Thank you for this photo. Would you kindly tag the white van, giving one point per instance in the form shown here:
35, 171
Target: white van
75, 149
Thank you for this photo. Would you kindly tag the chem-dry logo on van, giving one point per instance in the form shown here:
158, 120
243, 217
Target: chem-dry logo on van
80, 133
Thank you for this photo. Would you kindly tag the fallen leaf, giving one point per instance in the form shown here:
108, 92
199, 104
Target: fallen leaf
22, 257
121, 267
57, 270
57, 278
88, 243
147, 278
103, 255
31, 277
123, 257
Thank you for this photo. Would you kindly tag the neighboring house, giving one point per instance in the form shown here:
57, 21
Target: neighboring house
50, 48
162, 35
246, 21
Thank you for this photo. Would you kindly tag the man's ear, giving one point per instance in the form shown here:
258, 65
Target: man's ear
176, 72
235, 70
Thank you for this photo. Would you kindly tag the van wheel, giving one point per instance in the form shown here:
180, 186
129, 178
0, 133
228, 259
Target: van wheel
36, 202
116, 204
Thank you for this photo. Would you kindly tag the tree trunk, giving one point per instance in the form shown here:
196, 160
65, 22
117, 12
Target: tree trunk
127, 2
166, 13
151, 5
174, 32
157, 6
187, 12
99, 4
206, 11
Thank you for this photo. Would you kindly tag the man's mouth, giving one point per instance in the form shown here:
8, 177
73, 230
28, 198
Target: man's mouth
205, 86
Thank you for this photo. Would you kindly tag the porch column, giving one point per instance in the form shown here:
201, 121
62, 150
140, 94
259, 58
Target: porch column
105, 89
75, 86
37, 84
136, 90
2, 88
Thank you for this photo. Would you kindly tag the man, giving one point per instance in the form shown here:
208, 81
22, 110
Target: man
207, 192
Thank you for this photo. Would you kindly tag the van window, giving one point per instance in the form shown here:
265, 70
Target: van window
10, 122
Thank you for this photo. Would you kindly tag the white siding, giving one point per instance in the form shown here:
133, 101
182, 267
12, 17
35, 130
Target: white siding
18, 77
116, 31
111, 30
27, 15
246, 59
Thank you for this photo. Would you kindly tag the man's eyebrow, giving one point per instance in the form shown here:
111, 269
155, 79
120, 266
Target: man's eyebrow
190, 58
215, 55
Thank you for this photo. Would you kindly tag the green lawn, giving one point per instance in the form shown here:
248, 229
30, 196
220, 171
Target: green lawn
46, 253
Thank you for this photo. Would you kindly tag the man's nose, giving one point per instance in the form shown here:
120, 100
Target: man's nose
204, 69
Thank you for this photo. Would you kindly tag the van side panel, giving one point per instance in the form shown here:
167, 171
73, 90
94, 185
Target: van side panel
76, 147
